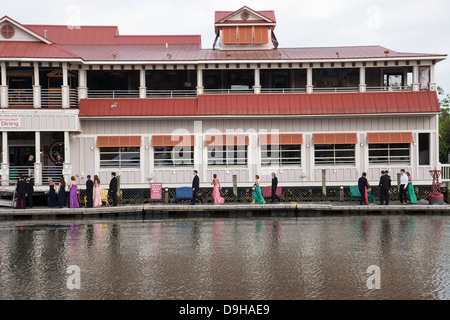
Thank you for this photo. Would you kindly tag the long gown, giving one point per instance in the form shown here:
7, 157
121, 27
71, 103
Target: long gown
61, 198
257, 195
52, 197
216, 194
97, 197
411, 192
73, 196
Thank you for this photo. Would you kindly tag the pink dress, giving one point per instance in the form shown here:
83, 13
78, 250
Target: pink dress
216, 194
97, 196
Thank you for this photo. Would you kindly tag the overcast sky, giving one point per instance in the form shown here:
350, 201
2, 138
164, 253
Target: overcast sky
401, 25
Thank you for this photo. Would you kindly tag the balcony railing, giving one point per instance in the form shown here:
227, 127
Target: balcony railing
445, 172
283, 90
16, 171
53, 172
20, 98
113, 94
389, 89
336, 89
228, 91
171, 93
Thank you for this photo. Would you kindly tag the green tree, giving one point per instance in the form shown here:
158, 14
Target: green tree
444, 125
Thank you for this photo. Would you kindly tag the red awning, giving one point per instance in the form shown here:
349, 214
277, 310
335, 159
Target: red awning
118, 141
335, 138
281, 139
173, 141
389, 137
226, 140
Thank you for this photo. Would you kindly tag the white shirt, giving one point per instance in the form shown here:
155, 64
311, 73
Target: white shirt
404, 180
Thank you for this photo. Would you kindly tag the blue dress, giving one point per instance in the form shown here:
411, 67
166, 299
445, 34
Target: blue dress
61, 198
52, 197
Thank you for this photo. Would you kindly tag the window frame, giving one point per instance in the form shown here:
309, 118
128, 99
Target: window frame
279, 160
225, 149
334, 163
389, 149
157, 162
119, 154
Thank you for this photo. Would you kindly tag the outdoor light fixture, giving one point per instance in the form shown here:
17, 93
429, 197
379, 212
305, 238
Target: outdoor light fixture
228, 172
146, 147
307, 145
362, 144
281, 171
334, 171
92, 148
342, 187
166, 189
173, 172
414, 143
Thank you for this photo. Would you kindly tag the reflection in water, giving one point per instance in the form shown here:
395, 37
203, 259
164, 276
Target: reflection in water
233, 258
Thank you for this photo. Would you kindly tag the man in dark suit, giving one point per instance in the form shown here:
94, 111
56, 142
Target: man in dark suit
89, 192
274, 188
113, 188
21, 190
363, 186
195, 188
385, 185
29, 192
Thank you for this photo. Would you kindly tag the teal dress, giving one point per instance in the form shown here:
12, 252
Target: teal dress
411, 192
257, 195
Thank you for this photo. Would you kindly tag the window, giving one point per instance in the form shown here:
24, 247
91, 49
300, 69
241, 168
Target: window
424, 149
281, 155
392, 153
334, 154
120, 157
7, 31
174, 156
234, 155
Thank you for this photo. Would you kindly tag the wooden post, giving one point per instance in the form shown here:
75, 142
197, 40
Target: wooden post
235, 190
119, 194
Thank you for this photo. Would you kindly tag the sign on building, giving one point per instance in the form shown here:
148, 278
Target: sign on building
156, 191
10, 122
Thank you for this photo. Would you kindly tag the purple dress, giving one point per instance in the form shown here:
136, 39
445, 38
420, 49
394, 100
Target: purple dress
73, 197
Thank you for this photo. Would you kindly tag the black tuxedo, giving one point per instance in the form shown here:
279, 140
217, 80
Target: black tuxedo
89, 193
362, 185
113, 190
274, 189
29, 187
195, 188
21, 190
385, 185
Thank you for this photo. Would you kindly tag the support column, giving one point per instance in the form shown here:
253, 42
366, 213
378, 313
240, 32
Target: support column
309, 80
362, 79
36, 87
65, 87
37, 157
257, 87
3, 86
5, 160
433, 85
67, 167
82, 84
416, 84
199, 81
142, 86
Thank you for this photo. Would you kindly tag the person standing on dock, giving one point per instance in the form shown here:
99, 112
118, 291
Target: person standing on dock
61, 196
195, 188
21, 190
403, 186
274, 188
363, 186
89, 192
385, 185
97, 192
29, 194
411, 191
113, 188
51, 193
216, 190
257, 194
73, 194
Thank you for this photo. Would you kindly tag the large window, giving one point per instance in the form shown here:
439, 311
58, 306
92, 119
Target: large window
281, 155
334, 154
174, 156
393, 153
424, 149
227, 155
120, 157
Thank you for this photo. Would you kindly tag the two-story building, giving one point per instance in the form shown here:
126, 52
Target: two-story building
154, 108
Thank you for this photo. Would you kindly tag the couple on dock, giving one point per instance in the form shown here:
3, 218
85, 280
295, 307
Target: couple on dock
216, 189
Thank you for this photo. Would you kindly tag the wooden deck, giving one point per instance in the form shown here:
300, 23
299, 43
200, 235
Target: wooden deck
211, 209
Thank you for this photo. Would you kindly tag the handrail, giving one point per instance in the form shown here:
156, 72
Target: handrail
228, 91
171, 93
113, 94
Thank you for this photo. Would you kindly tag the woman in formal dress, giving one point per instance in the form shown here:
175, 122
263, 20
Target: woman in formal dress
410, 189
257, 195
216, 190
61, 197
51, 193
73, 195
97, 194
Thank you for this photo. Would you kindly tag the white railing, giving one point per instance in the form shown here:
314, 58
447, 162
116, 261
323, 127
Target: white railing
113, 94
54, 172
228, 91
171, 93
20, 97
52, 98
445, 172
283, 90
16, 171
388, 89
336, 90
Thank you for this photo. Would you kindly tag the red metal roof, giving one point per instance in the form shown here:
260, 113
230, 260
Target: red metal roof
267, 104
30, 49
106, 35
